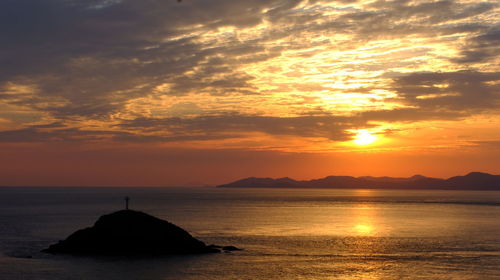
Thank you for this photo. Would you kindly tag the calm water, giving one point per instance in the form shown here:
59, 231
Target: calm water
287, 234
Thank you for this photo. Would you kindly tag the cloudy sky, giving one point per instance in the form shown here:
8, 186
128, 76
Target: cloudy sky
161, 92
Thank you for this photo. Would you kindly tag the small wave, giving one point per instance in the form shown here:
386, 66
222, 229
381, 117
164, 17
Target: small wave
395, 257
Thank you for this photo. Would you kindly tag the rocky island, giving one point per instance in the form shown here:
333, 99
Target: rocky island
129, 233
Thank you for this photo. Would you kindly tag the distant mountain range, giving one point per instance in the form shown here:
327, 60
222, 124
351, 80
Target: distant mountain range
471, 181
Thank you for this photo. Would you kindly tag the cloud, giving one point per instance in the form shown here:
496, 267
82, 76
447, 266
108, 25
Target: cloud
429, 96
481, 48
410, 115
82, 61
51, 133
492, 145
190, 129
97, 55
461, 91
329, 127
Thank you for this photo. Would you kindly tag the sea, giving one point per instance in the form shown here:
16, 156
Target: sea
285, 233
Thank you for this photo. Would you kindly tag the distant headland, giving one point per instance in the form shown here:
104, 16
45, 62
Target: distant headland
471, 181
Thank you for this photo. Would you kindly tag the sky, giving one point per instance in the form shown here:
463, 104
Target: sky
203, 92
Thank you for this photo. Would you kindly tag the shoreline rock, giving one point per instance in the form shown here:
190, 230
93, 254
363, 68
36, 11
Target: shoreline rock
132, 233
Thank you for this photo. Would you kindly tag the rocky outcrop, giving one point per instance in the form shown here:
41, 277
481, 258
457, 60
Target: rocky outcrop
127, 233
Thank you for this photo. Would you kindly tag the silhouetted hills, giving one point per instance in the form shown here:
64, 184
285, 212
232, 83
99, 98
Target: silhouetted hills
265, 183
130, 233
475, 178
471, 181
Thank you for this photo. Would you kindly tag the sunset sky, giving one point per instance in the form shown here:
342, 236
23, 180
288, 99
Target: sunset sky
163, 93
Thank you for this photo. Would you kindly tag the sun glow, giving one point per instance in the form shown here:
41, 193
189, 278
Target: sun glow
363, 229
364, 137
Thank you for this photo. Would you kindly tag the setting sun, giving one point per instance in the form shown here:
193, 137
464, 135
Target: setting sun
364, 137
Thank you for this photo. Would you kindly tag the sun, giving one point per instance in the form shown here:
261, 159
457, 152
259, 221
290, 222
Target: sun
364, 137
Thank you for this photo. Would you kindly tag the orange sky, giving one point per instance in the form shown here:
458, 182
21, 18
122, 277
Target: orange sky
204, 92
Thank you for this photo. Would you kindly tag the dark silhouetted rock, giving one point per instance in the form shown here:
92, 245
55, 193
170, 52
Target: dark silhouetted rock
231, 248
129, 233
226, 248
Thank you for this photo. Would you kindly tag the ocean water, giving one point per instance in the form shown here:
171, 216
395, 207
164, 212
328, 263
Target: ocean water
286, 234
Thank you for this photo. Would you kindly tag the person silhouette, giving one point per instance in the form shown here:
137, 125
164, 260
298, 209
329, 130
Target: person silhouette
126, 202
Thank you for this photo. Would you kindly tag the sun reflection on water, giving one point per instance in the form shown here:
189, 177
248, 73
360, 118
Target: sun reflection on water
363, 229
365, 221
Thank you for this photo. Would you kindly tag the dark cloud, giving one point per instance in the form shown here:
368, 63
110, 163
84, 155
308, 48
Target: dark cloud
430, 12
96, 55
492, 145
391, 19
329, 127
431, 96
481, 48
462, 91
411, 115
52, 133
334, 128
188, 129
